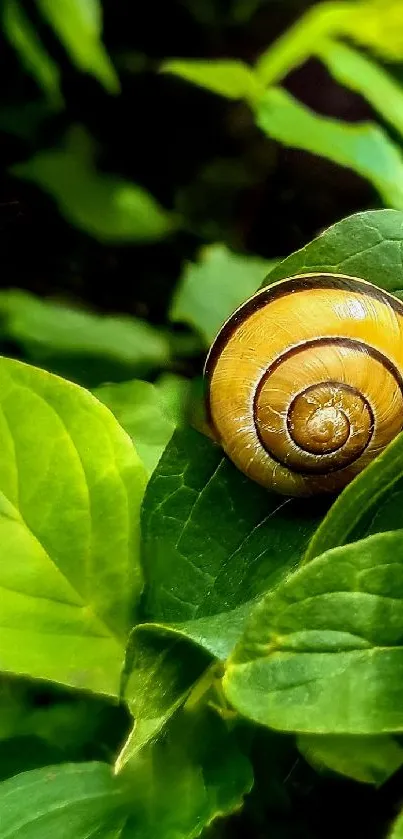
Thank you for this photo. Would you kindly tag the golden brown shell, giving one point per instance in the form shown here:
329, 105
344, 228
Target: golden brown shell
304, 382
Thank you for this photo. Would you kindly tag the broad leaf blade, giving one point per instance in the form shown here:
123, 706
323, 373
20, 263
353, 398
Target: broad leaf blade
70, 801
198, 764
366, 245
213, 542
70, 491
324, 653
365, 147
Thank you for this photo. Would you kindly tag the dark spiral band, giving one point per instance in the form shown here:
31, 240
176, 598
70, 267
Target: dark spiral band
349, 343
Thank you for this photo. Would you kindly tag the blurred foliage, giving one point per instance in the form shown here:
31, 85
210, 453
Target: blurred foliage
157, 159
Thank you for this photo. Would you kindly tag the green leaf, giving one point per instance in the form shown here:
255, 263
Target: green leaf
78, 24
363, 498
174, 393
33, 56
70, 490
212, 288
213, 542
229, 78
366, 245
378, 25
397, 829
363, 147
198, 764
359, 73
370, 760
52, 333
72, 800
375, 23
323, 653
102, 205
160, 671
139, 409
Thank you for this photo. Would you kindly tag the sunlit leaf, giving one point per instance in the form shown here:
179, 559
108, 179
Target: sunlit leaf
364, 147
232, 79
71, 485
78, 24
356, 71
323, 653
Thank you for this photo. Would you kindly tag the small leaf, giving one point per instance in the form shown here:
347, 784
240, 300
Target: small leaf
232, 79
366, 245
323, 653
364, 147
50, 332
356, 71
139, 409
32, 53
370, 760
161, 669
102, 205
70, 490
198, 764
214, 542
212, 288
78, 24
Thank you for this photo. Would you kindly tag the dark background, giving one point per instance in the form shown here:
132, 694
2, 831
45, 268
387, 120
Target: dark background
193, 150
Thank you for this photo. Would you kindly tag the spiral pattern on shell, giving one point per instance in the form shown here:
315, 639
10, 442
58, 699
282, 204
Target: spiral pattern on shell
304, 382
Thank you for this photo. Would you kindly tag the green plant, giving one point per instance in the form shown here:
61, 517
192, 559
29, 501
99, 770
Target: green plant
321, 33
192, 666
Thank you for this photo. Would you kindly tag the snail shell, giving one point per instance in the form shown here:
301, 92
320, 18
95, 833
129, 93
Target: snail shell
304, 382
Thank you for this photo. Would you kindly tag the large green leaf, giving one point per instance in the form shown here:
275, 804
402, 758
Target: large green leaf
141, 411
366, 245
212, 288
70, 490
78, 24
363, 147
323, 653
102, 205
33, 55
213, 542
56, 334
161, 669
175, 788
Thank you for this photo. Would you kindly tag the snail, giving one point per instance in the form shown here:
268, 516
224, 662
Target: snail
304, 382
